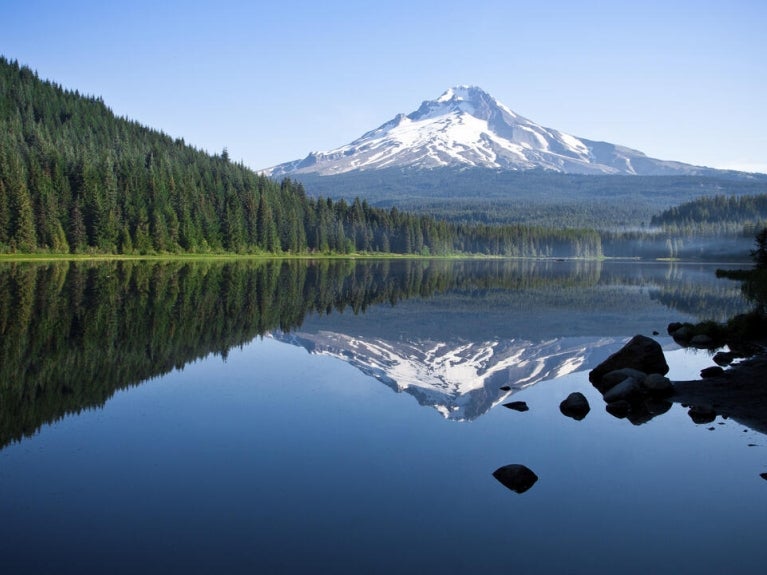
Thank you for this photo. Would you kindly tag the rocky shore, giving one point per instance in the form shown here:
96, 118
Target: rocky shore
738, 393
633, 384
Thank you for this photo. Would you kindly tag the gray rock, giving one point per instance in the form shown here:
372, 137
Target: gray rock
641, 353
657, 384
626, 390
613, 378
575, 405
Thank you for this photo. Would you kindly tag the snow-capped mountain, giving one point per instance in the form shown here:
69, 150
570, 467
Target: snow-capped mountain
461, 379
467, 127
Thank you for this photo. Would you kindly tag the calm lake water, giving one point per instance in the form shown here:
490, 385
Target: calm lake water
342, 417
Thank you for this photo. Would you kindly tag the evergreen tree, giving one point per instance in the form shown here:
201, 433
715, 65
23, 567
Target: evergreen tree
760, 252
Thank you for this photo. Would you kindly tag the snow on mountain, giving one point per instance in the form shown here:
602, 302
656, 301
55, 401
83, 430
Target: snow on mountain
467, 127
460, 379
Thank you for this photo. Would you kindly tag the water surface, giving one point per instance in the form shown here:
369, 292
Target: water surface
338, 417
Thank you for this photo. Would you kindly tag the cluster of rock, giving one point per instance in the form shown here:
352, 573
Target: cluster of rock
633, 380
689, 335
711, 336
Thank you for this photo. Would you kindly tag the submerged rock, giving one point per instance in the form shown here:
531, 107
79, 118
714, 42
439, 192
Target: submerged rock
516, 405
516, 477
575, 405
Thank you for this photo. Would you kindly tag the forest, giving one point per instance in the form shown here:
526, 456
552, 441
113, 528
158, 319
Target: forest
532, 197
74, 178
716, 215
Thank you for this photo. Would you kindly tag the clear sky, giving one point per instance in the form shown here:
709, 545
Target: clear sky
272, 80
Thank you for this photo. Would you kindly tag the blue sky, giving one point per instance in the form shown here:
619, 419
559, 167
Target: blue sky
272, 81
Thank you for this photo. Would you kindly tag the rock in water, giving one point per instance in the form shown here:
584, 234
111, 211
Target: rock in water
627, 390
656, 384
516, 405
575, 405
516, 477
713, 371
702, 413
641, 353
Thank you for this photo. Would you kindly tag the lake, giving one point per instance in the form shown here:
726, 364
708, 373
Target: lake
347, 417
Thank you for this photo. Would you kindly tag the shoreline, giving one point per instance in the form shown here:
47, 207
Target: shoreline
740, 393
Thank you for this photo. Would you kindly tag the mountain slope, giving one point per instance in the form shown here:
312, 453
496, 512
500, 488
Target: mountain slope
75, 178
467, 127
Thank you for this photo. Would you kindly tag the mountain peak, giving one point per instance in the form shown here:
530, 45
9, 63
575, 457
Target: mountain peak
460, 93
467, 127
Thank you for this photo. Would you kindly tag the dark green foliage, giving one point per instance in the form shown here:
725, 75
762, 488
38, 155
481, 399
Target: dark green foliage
533, 197
716, 214
74, 178
760, 252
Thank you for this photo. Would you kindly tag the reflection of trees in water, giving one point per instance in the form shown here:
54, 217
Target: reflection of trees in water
73, 333
700, 293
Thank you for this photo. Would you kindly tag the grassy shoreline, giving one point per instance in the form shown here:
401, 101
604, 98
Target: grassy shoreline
307, 256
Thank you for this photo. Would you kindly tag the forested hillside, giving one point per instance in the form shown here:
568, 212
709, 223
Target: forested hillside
75, 178
717, 214
533, 197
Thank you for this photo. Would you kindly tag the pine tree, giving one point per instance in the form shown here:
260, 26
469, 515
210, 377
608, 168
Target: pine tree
760, 252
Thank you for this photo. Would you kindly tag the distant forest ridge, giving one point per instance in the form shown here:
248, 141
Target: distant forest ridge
74, 178
715, 212
533, 197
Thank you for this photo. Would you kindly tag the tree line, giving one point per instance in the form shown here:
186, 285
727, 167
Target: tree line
716, 215
531, 197
74, 178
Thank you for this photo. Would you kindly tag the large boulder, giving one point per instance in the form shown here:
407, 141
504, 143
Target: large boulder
657, 385
613, 378
627, 390
641, 353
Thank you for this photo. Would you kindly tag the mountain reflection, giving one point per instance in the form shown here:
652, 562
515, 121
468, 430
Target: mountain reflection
460, 379
73, 333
